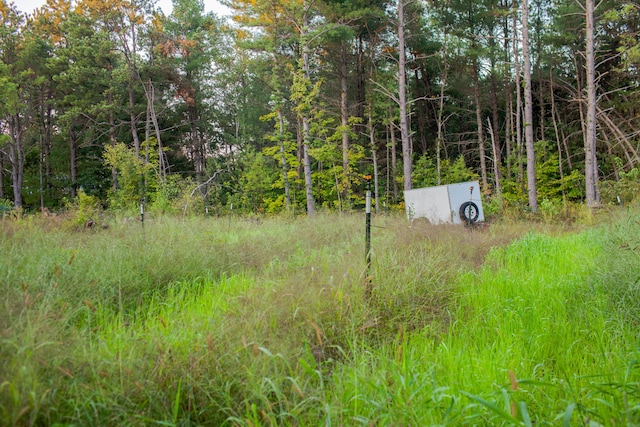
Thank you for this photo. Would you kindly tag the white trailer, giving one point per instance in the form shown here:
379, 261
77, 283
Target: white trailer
445, 204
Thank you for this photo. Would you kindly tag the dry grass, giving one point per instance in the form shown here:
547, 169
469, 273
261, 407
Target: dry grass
117, 318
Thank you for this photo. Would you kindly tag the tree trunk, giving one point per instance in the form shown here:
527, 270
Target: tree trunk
591, 163
132, 117
394, 158
612, 158
444, 73
306, 131
422, 108
629, 149
509, 131
151, 97
112, 140
196, 144
402, 97
496, 163
361, 78
374, 156
557, 132
495, 125
476, 98
344, 117
509, 127
528, 112
518, 103
73, 155
283, 159
45, 147
16, 157
41, 173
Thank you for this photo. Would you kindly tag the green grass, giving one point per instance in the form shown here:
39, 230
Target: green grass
212, 322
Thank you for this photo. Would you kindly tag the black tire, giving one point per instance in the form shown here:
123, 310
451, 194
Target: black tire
469, 212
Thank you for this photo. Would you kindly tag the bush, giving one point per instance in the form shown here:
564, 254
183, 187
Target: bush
85, 208
5, 207
627, 188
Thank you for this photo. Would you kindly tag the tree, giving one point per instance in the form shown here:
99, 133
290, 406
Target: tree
192, 44
13, 112
591, 162
402, 99
84, 60
528, 111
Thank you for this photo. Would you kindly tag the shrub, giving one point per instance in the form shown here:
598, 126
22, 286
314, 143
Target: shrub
84, 208
625, 190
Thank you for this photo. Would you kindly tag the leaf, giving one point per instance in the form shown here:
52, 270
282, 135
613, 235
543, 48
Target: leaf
493, 408
566, 421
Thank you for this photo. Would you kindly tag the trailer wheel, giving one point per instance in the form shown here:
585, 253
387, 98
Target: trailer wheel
469, 212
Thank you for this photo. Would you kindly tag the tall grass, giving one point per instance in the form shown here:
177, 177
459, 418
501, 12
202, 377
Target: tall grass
536, 340
212, 322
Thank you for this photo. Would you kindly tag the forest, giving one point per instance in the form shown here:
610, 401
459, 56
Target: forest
284, 105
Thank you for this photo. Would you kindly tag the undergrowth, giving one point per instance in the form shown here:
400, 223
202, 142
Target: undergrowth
219, 321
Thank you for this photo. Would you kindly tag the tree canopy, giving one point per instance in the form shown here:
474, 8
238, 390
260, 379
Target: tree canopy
284, 105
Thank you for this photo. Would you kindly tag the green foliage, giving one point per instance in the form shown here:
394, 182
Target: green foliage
173, 196
548, 181
627, 188
550, 209
621, 16
257, 184
136, 174
425, 172
6, 206
85, 208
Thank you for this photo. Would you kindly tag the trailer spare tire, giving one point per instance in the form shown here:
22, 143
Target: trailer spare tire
469, 212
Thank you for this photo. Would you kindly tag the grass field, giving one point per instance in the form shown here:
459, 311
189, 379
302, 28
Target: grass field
205, 321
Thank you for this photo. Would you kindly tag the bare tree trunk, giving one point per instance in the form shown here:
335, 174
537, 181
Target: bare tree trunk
612, 158
402, 98
519, 144
112, 140
557, 132
495, 134
283, 159
374, 156
509, 128
528, 111
344, 116
443, 84
476, 98
495, 124
543, 113
560, 135
306, 131
132, 118
394, 158
496, 162
73, 155
41, 173
16, 158
151, 96
591, 163
45, 149
509, 131
630, 151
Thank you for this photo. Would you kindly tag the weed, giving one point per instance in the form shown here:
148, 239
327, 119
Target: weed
226, 321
